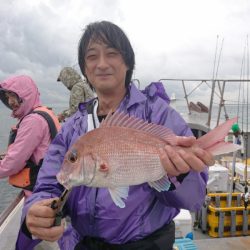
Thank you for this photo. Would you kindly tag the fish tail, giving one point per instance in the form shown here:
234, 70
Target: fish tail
223, 148
216, 135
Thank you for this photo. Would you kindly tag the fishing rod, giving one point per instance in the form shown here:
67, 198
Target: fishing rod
221, 89
213, 85
215, 77
243, 133
215, 56
246, 195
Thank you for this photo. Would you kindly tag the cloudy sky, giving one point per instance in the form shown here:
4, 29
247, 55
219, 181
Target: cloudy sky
171, 39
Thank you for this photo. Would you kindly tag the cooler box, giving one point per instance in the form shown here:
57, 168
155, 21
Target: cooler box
218, 179
183, 225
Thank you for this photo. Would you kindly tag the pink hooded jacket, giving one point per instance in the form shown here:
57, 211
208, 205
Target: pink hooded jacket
33, 135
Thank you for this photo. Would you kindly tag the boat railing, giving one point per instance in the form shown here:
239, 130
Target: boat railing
10, 208
220, 83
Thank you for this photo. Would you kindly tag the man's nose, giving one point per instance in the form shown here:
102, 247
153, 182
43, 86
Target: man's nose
102, 62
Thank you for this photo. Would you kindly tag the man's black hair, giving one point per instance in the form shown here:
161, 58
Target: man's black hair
113, 36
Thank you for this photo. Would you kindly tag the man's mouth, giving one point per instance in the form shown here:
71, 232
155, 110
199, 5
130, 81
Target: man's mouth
103, 75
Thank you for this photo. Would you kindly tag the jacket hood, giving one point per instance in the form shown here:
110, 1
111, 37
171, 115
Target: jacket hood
69, 77
26, 90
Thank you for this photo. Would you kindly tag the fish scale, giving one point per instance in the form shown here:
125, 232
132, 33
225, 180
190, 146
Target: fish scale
130, 160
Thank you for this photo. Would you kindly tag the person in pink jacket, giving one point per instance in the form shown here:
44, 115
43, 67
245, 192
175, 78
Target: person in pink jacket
31, 137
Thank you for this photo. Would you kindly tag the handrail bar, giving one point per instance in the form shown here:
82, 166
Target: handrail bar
4, 215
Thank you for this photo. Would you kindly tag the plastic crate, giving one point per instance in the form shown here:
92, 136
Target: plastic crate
183, 225
223, 220
184, 244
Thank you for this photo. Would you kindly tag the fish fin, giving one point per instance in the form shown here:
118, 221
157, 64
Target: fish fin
216, 135
117, 194
223, 148
161, 185
120, 119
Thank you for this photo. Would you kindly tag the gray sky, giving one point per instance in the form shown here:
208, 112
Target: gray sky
171, 39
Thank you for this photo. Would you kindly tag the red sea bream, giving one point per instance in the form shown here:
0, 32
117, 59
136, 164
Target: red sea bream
124, 151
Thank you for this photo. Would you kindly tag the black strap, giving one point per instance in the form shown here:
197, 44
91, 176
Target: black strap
48, 118
45, 115
34, 169
162, 239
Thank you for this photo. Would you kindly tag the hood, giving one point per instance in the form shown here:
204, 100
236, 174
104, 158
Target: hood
69, 77
26, 90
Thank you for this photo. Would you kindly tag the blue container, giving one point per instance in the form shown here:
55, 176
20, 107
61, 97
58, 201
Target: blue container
185, 244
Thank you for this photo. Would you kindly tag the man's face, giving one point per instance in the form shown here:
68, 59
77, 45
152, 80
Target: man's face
105, 67
13, 100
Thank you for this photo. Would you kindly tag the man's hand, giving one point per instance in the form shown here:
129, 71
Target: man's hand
40, 220
184, 157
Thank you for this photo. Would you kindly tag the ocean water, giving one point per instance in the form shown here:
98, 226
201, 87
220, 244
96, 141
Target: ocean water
7, 192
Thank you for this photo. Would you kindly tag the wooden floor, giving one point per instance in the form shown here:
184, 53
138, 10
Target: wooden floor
226, 243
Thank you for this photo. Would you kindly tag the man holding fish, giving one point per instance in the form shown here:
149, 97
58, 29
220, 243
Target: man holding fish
129, 160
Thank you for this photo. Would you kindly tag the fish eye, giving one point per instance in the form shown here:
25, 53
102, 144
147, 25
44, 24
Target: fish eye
73, 156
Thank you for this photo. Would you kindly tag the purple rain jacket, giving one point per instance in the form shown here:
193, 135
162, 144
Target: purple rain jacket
92, 210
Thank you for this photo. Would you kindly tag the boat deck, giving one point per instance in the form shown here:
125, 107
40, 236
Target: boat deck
227, 243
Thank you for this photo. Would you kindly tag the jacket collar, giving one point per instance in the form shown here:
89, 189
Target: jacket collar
133, 97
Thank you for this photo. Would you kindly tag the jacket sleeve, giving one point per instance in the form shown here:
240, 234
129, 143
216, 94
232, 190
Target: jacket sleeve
79, 93
32, 130
191, 191
47, 185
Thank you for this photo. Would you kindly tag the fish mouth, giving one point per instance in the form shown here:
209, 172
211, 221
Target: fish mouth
63, 180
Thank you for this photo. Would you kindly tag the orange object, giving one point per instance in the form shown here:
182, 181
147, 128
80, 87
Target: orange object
21, 179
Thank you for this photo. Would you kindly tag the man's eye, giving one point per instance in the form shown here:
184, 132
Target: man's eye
112, 53
91, 57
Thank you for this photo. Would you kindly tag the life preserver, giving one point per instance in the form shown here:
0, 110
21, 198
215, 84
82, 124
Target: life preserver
26, 178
